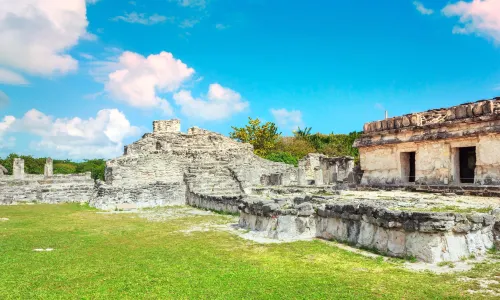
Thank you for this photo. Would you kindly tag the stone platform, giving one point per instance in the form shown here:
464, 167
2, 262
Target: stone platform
429, 227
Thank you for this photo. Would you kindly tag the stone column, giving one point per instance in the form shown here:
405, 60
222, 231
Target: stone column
318, 176
18, 168
49, 168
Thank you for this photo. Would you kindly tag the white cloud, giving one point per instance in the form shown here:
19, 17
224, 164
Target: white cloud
35, 34
143, 19
138, 80
188, 23
287, 119
101, 136
192, 3
221, 103
9, 77
422, 9
481, 17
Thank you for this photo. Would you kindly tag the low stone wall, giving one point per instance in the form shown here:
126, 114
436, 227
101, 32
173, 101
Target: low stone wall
134, 196
53, 190
227, 204
428, 236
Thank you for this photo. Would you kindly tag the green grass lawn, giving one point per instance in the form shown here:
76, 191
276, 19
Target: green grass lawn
105, 256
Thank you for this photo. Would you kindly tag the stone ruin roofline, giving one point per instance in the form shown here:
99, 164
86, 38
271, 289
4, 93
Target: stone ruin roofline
479, 111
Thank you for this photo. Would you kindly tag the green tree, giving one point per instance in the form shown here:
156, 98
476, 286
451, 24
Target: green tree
263, 137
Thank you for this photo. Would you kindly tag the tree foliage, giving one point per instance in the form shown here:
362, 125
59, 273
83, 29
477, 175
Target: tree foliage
263, 137
268, 143
37, 165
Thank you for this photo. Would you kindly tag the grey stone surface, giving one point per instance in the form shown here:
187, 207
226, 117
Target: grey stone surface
168, 167
49, 168
322, 169
429, 236
18, 168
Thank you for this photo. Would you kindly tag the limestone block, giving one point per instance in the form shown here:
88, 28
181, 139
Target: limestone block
396, 244
424, 246
406, 121
456, 247
461, 112
18, 168
49, 168
398, 122
477, 109
415, 120
381, 239
366, 234
468, 108
488, 107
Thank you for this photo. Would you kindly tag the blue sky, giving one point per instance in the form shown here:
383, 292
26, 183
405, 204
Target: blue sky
81, 79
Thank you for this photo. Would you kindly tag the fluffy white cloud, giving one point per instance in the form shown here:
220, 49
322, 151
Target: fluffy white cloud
479, 16
422, 9
101, 136
138, 80
9, 77
287, 119
143, 19
35, 34
221, 103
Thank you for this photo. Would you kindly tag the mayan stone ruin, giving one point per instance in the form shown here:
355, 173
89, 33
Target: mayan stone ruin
453, 153
448, 146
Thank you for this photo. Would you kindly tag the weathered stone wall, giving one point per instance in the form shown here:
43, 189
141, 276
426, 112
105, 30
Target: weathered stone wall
47, 188
435, 136
320, 169
428, 236
199, 163
37, 188
435, 161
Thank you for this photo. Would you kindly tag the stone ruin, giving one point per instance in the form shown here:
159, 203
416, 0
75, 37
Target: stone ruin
200, 168
319, 198
47, 188
459, 145
319, 169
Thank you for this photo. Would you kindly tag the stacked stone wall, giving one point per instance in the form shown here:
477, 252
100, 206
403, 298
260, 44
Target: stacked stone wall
42, 189
428, 236
189, 168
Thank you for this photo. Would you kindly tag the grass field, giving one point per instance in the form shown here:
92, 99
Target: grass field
110, 256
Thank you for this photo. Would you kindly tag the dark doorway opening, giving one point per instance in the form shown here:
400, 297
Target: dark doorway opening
411, 176
467, 159
408, 166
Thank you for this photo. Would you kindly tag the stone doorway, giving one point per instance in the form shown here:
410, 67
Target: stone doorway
408, 166
467, 163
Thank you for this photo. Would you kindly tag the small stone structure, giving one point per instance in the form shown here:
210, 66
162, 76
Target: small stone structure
18, 168
47, 188
200, 168
456, 145
319, 169
49, 168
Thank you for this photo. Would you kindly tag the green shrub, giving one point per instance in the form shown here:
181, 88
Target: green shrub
283, 157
